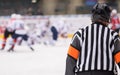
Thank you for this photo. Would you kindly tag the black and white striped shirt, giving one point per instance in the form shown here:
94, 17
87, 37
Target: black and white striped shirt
96, 46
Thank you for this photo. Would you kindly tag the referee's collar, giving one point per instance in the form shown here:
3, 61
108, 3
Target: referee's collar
99, 23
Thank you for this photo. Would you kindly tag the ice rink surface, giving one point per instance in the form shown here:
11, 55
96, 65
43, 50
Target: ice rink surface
45, 60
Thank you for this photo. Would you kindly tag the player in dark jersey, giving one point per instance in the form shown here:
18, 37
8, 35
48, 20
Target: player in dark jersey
9, 30
94, 50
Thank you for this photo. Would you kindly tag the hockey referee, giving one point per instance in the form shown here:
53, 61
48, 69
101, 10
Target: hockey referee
95, 49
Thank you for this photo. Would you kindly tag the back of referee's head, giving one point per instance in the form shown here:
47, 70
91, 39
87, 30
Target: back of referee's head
101, 13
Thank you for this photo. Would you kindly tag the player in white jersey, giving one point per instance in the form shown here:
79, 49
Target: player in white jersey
34, 35
45, 33
58, 28
39, 32
9, 30
20, 31
64, 27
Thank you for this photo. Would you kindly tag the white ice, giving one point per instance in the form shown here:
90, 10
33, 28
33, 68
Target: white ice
45, 60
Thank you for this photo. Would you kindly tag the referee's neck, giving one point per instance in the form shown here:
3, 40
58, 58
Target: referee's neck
101, 22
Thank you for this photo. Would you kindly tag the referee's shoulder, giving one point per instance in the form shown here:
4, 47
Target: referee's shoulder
79, 31
115, 35
113, 32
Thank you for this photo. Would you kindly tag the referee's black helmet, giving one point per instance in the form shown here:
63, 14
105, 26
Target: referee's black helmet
101, 11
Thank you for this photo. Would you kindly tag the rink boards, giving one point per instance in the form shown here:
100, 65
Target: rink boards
74, 21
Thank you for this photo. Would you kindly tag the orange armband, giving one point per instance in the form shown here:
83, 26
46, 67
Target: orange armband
117, 57
73, 52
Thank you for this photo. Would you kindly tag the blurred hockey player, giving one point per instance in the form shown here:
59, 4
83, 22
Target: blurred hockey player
20, 31
64, 27
59, 28
115, 22
9, 30
45, 33
55, 32
34, 35
38, 33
